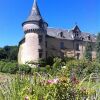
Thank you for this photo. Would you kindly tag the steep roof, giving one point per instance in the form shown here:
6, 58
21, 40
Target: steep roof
67, 35
54, 32
35, 13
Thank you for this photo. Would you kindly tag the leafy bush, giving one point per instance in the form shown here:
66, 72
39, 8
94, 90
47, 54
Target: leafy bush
1, 65
24, 68
92, 67
10, 68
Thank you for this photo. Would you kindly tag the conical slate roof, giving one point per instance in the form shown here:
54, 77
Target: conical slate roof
35, 13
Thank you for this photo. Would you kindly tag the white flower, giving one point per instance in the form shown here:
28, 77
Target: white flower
64, 67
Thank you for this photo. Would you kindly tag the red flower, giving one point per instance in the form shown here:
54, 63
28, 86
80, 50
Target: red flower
74, 80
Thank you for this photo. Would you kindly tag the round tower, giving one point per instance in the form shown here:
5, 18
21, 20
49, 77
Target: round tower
35, 32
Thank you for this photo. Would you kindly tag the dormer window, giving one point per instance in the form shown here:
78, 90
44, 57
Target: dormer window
82, 38
61, 34
76, 35
89, 38
76, 30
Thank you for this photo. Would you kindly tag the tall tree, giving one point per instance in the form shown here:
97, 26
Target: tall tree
98, 48
88, 51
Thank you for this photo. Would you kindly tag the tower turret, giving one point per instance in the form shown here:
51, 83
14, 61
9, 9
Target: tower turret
35, 32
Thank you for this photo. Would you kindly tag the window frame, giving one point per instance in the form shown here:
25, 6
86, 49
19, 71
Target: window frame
77, 47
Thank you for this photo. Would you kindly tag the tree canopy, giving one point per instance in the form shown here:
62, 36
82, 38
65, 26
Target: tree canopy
9, 53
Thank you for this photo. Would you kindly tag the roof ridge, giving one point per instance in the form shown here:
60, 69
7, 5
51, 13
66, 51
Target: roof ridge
57, 28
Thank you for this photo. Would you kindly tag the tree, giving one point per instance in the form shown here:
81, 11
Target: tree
9, 53
2, 54
98, 48
13, 53
88, 51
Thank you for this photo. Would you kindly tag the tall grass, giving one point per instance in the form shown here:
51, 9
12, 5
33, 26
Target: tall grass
36, 87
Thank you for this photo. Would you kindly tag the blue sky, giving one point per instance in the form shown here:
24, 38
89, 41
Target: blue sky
58, 13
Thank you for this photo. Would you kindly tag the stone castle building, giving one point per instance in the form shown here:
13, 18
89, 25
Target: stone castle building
40, 41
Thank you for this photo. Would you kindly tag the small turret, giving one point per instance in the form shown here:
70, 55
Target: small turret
34, 21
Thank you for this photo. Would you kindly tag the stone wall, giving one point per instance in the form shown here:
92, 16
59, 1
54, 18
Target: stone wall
70, 48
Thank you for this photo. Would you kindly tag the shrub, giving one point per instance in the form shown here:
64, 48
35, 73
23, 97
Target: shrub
2, 64
10, 68
98, 48
24, 68
57, 62
92, 67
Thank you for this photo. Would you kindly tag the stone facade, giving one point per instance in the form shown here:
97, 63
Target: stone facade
41, 42
70, 48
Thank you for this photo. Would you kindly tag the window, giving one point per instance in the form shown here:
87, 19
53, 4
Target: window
40, 38
62, 45
61, 34
46, 54
76, 35
77, 47
40, 53
89, 38
46, 44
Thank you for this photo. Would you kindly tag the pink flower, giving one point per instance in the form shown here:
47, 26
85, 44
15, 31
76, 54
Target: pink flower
26, 98
54, 81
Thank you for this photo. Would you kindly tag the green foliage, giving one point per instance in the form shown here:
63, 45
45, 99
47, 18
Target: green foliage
37, 87
13, 67
50, 61
88, 51
51, 82
98, 48
24, 68
92, 67
82, 68
2, 64
2, 54
67, 59
57, 62
9, 53
10, 68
